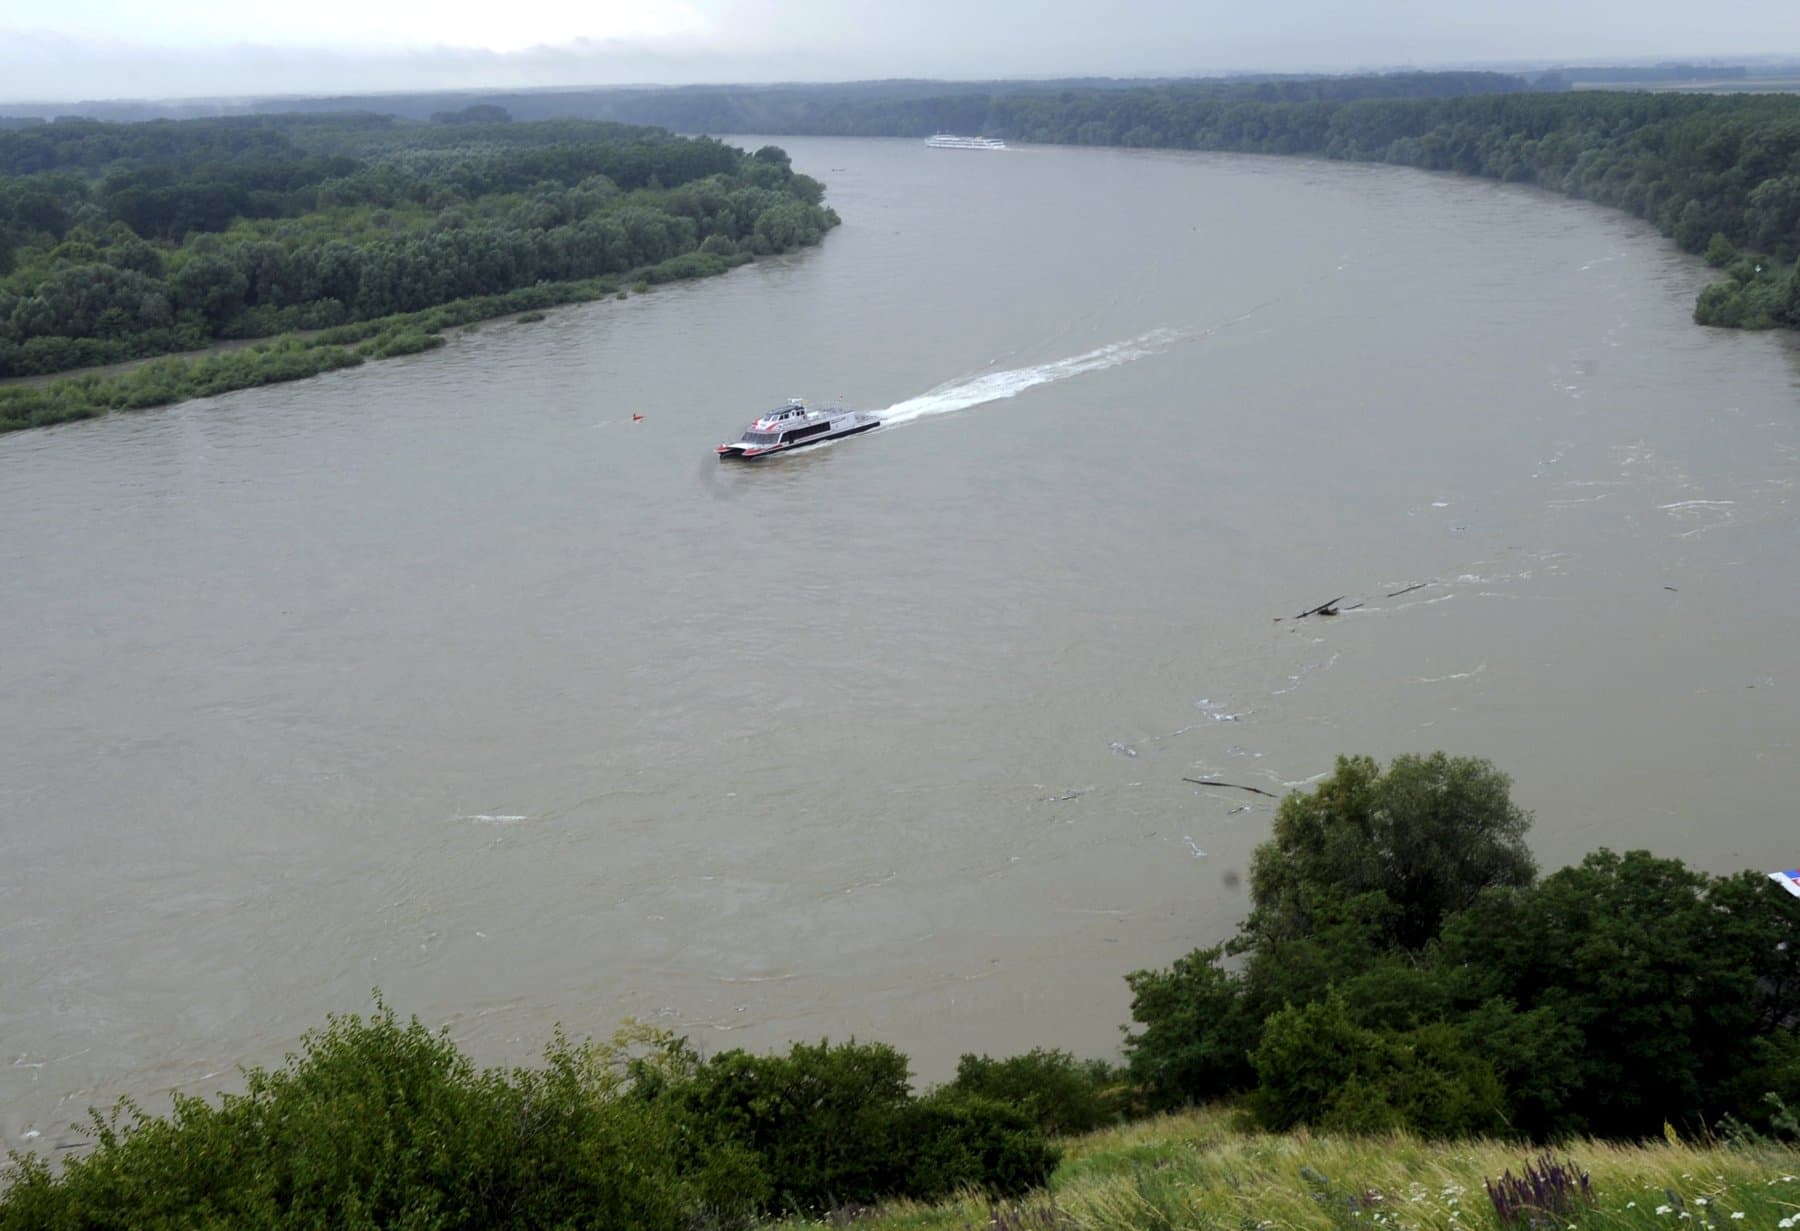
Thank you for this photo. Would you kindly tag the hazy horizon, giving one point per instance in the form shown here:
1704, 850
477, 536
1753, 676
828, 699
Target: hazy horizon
101, 50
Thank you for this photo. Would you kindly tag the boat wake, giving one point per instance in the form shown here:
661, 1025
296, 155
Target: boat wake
995, 386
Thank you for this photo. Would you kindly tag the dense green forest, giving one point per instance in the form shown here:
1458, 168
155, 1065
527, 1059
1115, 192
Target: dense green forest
1403, 967
119, 241
1719, 174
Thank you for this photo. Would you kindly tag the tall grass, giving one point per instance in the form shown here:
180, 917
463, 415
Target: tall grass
1199, 1170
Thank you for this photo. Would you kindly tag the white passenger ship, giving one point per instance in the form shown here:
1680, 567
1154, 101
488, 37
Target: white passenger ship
794, 426
949, 141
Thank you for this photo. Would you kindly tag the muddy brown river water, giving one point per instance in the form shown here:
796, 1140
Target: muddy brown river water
443, 676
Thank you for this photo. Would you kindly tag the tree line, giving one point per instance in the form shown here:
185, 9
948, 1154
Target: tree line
125, 240
1403, 966
1700, 168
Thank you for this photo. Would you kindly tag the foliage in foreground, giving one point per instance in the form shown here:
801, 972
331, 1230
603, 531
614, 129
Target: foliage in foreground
1405, 969
1405, 976
376, 1123
1200, 1169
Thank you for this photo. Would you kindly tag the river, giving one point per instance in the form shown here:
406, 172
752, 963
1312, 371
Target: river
447, 677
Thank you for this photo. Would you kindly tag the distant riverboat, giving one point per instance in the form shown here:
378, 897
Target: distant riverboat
949, 141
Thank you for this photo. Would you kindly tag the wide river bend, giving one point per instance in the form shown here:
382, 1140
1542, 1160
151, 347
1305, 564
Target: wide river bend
444, 676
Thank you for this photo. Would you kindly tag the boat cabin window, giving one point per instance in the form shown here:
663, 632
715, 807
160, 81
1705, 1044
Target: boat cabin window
759, 438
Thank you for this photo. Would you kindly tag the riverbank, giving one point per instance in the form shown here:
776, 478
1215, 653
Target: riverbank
165, 380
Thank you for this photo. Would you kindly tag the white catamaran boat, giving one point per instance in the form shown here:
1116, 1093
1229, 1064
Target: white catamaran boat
949, 141
795, 426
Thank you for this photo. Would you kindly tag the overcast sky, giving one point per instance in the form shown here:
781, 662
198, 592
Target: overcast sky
65, 50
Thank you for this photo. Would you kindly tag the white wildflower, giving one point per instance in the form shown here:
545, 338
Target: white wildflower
1631, 1205
1665, 1209
1699, 1200
1737, 1214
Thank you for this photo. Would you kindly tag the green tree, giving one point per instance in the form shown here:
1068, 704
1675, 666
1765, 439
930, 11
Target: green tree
1668, 976
1430, 834
1316, 1066
1196, 1035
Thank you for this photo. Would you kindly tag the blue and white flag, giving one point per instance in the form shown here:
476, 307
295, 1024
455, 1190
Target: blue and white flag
1789, 880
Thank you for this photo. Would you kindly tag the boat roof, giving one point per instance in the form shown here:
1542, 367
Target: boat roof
795, 409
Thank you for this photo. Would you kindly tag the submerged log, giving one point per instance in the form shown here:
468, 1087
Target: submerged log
1233, 785
1328, 607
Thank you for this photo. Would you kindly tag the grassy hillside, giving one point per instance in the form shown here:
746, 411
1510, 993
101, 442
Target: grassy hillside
1198, 1169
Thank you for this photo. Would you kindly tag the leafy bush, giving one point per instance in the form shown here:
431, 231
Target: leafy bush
826, 1124
1196, 1033
1062, 1095
374, 1124
960, 1141
1316, 1066
402, 341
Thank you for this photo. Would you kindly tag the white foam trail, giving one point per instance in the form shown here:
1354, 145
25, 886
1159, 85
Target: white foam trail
994, 386
489, 818
1459, 675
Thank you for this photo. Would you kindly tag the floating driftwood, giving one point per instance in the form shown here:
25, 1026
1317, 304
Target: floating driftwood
1409, 589
1233, 785
1328, 607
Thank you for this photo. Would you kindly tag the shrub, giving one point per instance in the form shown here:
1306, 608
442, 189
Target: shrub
374, 1124
1060, 1093
961, 1141
825, 1123
403, 341
1196, 1037
1316, 1066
